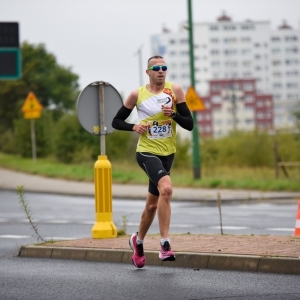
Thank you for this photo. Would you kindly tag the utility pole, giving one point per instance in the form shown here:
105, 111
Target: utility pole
196, 146
139, 53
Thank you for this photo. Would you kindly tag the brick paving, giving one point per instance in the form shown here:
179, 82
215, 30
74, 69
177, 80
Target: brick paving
269, 246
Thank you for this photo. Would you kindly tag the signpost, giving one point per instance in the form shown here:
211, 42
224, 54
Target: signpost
32, 109
96, 106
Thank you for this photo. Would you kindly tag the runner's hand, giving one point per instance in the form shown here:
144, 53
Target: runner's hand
167, 110
140, 128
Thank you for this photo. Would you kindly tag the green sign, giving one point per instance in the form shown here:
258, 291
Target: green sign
10, 63
10, 56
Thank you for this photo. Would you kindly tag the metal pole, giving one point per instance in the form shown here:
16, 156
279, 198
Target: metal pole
139, 53
33, 145
102, 124
196, 146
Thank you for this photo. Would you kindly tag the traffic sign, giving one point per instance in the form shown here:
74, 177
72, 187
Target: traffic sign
89, 108
32, 107
193, 101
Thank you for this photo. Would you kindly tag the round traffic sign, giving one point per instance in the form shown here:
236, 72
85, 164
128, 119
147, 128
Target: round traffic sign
89, 108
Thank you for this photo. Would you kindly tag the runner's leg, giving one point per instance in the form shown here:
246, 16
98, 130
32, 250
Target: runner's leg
148, 215
164, 206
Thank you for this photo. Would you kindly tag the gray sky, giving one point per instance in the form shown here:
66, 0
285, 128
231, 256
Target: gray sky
98, 38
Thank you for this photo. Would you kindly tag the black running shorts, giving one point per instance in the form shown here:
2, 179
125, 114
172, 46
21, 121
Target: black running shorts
156, 167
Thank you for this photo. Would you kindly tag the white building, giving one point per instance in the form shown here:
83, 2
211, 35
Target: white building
238, 50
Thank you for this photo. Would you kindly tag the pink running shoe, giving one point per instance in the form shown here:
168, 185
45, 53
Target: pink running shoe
166, 254
138, 257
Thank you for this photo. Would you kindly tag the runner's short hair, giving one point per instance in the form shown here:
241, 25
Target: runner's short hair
155, 56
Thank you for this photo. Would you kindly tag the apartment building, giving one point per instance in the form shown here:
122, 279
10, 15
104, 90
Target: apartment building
229, 50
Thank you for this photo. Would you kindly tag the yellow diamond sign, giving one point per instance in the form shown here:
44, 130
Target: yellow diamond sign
32, 107
193, 101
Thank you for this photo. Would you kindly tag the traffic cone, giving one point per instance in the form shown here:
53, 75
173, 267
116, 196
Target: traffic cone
297, 226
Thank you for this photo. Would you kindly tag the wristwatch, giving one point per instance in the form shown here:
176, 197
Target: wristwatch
173, 114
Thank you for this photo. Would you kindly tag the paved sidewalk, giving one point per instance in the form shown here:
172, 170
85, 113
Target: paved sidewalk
9, 180
279, 254
273, 254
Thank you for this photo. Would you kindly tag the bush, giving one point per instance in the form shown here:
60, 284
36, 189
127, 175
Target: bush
251, 149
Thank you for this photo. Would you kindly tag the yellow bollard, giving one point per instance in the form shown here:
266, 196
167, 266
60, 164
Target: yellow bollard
104, 226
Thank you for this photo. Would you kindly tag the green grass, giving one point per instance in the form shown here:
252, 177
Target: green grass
129, 172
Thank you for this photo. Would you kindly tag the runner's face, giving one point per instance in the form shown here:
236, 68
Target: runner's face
157, 77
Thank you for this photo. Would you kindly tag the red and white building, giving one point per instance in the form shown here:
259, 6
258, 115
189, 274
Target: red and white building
235, 104
245, 49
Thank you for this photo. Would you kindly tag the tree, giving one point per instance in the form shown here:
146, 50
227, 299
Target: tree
55, 86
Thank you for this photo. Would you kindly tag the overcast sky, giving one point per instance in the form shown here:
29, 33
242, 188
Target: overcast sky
98, 39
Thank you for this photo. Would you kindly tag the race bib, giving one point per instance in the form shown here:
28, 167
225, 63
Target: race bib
159, 129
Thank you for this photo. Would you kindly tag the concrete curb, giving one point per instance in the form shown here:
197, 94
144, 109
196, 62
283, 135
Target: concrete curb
183, 260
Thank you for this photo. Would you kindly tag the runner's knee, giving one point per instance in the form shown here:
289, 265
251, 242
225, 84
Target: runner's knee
166, 191
151, 207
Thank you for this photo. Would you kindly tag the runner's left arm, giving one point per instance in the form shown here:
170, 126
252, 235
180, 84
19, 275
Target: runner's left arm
184, 117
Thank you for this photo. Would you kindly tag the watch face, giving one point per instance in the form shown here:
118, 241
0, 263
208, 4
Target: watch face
173, 114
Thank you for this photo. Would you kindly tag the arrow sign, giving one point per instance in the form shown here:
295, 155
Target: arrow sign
193, 101
32, 107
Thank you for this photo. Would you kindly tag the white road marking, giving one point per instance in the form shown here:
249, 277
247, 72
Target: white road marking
230, 227
9, 236
280, 229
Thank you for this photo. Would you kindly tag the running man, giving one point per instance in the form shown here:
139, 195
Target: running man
160, 105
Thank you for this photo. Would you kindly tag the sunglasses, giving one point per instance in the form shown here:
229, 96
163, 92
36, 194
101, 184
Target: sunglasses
157, 68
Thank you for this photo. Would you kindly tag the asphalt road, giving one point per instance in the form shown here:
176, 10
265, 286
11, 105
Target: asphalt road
72, 217
25, 278
62, 217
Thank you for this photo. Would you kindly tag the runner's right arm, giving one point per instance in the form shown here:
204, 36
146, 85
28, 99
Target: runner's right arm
118, 121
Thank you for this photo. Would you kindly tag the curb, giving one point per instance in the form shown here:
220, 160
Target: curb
196, 261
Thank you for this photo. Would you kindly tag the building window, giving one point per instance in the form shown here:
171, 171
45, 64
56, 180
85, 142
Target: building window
277, 85
245, 39
291, 38
247, 27
230, 51
292, 50
214, 40
214, 52
247, 86
214, 28
276, 50
245, 51
246, 63
276, 62
291, 85
215, 63
216, 99
172, 42
248, 98
291, 61
275, 39
229, 27
216, 87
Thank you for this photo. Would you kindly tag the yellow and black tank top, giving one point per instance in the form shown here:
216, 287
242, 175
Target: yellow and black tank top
160, 138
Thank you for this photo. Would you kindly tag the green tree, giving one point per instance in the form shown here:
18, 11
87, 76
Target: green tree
55, 86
